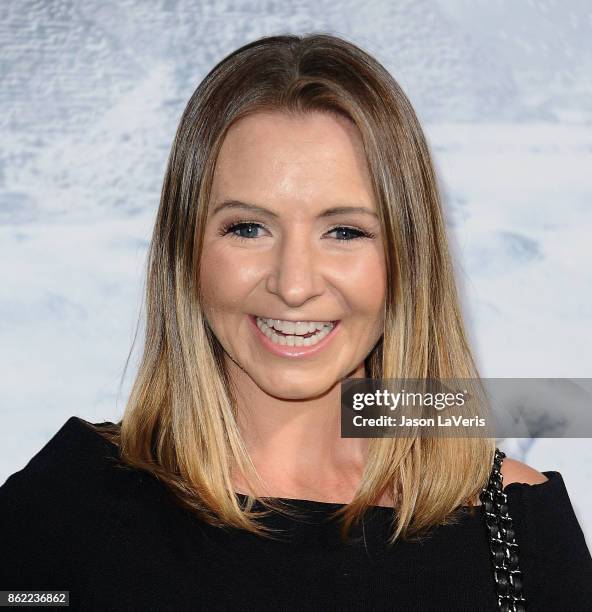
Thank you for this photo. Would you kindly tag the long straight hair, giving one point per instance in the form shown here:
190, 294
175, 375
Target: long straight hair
180, 422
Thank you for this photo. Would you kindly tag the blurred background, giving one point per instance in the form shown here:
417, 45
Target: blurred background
91, 94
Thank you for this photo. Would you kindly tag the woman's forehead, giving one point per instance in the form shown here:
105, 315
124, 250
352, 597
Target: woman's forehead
281, 155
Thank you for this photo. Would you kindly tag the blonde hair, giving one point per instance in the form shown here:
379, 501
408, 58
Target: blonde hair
180, 422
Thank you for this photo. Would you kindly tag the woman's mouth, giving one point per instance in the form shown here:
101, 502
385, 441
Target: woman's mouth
290, 338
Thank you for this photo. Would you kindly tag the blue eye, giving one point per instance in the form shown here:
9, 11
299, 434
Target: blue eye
248, 229
343, 229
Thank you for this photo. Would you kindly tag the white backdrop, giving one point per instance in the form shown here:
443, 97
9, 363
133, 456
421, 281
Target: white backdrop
92, 91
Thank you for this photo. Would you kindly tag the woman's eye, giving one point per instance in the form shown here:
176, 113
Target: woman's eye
247, 230
342, 233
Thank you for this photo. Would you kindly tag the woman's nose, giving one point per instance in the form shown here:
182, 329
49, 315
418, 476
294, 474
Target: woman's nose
296, 275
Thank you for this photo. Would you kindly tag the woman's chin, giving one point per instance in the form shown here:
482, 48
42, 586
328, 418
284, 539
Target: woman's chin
296, 387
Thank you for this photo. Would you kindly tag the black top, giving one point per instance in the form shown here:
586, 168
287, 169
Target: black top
117, 541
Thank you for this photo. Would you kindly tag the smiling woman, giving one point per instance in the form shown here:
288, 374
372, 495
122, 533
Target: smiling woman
299, 242
305, 260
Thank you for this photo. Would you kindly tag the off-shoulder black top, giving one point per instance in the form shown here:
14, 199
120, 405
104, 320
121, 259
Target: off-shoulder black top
116, 540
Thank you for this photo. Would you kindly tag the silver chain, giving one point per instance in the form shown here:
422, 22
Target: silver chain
502, 542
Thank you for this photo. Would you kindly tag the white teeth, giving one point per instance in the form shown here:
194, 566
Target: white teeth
299, 328
295, 331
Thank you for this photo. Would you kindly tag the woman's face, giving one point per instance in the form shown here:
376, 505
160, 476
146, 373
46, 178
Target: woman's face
293, 259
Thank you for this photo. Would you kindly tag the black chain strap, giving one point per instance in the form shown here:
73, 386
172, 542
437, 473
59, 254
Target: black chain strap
502, 543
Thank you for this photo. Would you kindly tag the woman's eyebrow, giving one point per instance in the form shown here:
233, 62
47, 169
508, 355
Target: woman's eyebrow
335, 210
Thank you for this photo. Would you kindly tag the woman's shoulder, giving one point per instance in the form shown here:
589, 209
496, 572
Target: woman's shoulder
77, 470
542, 494
514, 471
60, 506
525, 485
540, 502
74, 455
550, 539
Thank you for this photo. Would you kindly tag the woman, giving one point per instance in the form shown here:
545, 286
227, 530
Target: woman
299, 242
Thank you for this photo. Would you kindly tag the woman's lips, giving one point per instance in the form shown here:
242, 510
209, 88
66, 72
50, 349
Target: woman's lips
292, 351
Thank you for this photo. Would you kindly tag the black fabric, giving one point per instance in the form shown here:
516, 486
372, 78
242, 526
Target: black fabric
117, 541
